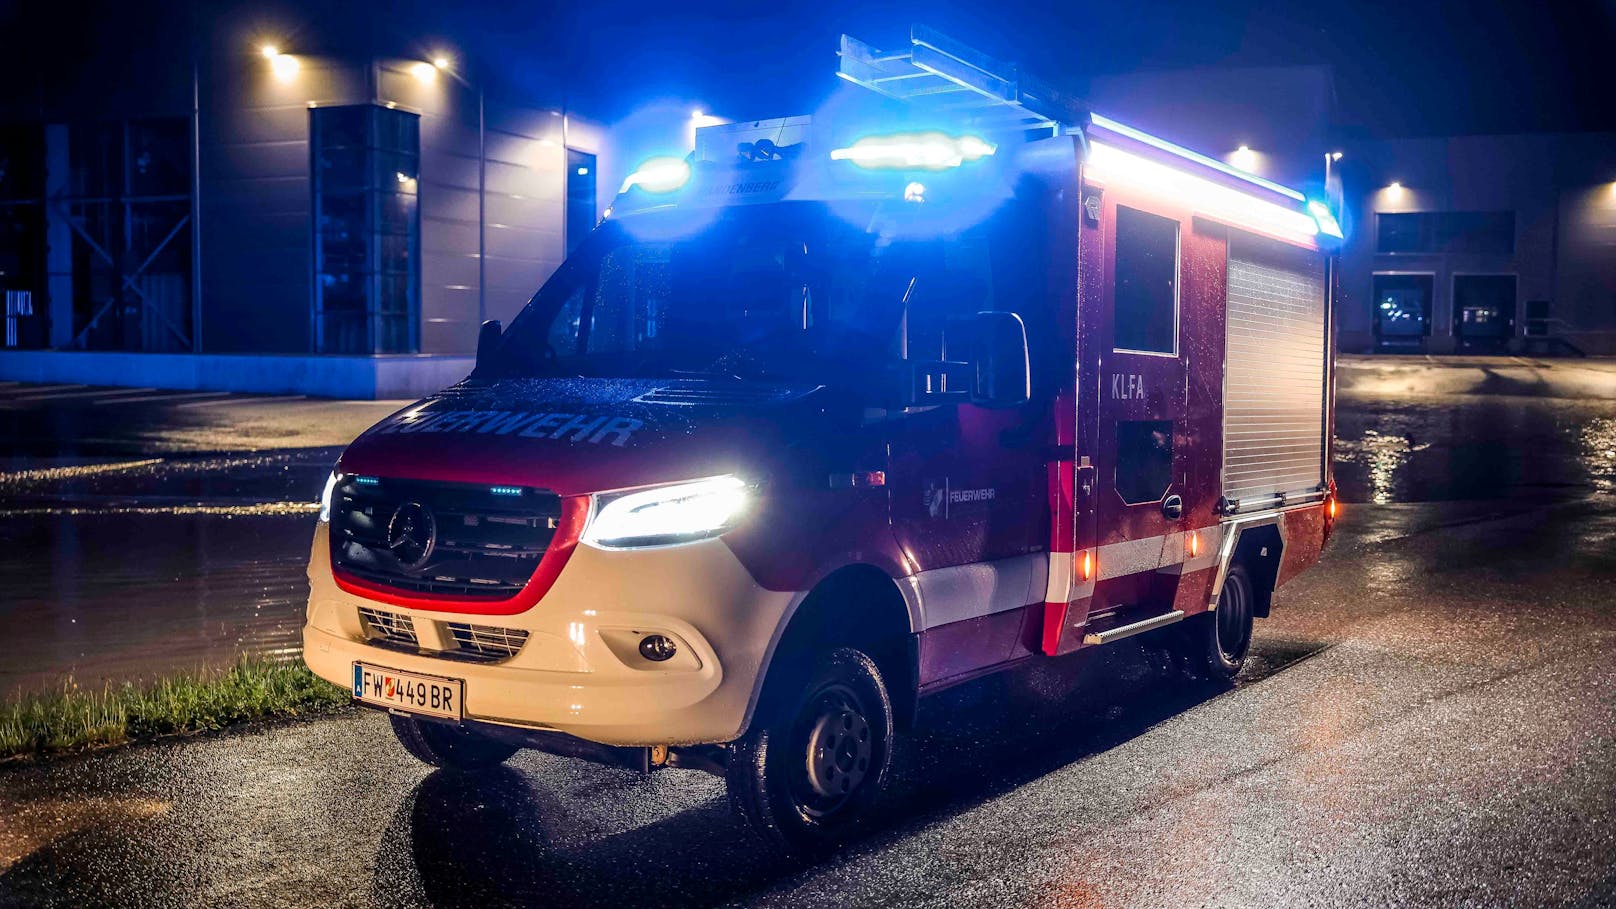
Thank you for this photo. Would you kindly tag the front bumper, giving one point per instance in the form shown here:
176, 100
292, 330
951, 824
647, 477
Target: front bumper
579, 671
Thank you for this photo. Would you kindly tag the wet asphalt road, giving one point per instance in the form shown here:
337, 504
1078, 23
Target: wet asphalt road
1430, 718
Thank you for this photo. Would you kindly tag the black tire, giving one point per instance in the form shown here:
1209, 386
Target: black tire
449, 747
810, 772
1215, 645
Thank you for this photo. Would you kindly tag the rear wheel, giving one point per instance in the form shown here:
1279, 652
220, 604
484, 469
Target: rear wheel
1215, 645
453, 747
810, 772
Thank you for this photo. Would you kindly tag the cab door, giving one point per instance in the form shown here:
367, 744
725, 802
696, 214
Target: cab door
969, 484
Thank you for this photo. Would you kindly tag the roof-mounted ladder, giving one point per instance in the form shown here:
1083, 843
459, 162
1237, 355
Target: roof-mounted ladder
948, 77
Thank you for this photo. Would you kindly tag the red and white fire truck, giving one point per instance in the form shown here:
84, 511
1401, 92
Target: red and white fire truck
832, 414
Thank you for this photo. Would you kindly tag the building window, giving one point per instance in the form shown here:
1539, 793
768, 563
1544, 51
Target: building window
367, 275
118, 234
581, 198
22, 235
1146, 308
1402, 310
1488, 232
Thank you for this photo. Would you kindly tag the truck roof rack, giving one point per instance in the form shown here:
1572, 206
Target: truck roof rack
947, 76
950, 78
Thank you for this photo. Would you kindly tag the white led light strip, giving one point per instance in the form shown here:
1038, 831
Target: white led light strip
1108, 164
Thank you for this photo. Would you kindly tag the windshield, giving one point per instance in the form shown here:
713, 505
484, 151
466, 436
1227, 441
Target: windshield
782, 291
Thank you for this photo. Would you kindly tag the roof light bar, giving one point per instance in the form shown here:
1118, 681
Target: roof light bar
1107, 162
658, 175
1140, 136
915, 151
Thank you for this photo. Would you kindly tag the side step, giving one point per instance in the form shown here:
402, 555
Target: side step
1111, 635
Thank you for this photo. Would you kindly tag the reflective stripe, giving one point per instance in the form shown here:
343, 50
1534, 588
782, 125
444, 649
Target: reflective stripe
962, 592
1059, 588
1129, 557
945, 595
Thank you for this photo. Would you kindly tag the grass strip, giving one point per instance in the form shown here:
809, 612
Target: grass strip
74, 718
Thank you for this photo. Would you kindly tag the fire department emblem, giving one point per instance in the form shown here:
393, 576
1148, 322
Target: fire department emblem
412, 534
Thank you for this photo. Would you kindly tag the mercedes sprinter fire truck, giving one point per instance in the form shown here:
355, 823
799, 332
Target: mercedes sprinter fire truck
834, 413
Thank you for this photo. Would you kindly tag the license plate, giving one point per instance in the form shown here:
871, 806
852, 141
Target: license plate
407, 691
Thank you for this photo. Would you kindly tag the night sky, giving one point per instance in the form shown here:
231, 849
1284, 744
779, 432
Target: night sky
1403, 67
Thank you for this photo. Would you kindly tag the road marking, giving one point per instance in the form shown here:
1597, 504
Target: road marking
167, 397
249, 400
125, 392
35, 389
84, 393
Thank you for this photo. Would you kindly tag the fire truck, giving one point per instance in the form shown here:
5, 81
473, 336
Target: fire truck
834, 413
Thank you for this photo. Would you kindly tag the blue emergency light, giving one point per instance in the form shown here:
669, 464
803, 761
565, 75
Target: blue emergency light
658, 175
915, 151
1327, 222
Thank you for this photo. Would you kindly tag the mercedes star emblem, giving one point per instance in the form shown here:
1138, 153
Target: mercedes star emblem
412, 534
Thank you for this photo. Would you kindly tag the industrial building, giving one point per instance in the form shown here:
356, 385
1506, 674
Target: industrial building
289, 202
1480, 244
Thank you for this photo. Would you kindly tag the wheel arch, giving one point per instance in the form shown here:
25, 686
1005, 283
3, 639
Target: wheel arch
857, 605
1258, 544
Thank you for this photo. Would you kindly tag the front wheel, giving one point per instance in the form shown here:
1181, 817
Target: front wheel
810, 772
452, 747
1215, 645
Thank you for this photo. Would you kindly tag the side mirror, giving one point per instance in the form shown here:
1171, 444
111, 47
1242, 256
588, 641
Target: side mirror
1001, 371
487, 341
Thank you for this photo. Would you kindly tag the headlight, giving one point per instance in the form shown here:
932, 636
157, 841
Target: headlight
325, 496
668, 514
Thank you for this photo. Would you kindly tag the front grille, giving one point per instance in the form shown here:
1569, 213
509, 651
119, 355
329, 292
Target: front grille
486, 643
485, 541
389, 628
467, 643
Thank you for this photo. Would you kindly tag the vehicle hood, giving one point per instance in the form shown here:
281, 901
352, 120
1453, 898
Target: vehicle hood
577, 435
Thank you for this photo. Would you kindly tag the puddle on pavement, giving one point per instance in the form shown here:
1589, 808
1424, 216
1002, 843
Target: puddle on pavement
1468, 448
114, 596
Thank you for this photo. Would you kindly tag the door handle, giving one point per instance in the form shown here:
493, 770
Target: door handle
1173, 508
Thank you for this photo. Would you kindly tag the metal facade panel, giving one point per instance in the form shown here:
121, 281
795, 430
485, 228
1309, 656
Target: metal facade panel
1274, 379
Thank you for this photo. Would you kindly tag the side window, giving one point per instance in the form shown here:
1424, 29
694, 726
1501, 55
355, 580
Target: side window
1144, 459
957, 284
1146, 282
563, 337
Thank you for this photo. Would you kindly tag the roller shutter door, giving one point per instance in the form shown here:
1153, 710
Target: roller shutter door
1274, 374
